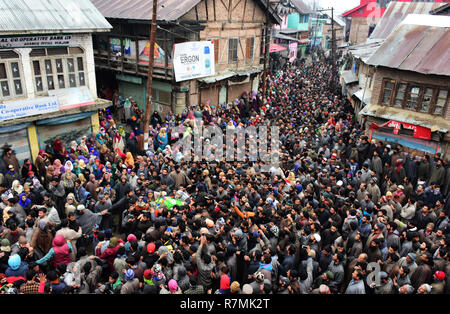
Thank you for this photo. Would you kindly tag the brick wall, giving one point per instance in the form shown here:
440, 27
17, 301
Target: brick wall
407, 76
235, 91
243, 20
359, 29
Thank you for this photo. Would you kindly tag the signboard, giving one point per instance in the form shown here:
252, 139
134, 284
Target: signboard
419, 131
36, 41
25, 108
193, 59
293, 51
69, 98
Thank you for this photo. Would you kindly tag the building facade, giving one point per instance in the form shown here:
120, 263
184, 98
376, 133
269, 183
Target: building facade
409, 101
235, 27
47, 76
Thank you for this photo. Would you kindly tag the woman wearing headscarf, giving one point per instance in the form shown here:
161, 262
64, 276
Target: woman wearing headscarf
82, 178
60, 252
119, 155
59, 150
162, 139
68, 165
68, 179
17, 187
132, 143
118, 141
58, 167
155, 119
129, 161
99, 140
76, 168
25, 202
83, 148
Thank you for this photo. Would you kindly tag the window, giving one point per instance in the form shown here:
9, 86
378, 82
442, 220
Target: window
164, 97
388, 87
38, 76
426, 100
10, 75
233, 49
54, 68
413, 97
441, 102
416, 97
400, 95
250, 48
216, 50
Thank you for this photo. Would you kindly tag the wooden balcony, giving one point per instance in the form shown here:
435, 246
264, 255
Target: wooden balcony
131, 63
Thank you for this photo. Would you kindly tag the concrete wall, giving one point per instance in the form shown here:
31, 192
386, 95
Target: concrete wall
83, 41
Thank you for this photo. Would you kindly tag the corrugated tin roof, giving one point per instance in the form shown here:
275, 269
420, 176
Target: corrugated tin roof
418, 48
441, 9
168, 10
44, 16
285, 37
366, 50
364, 95
437, 123
291, 31
349, 77
301, 6
396, 12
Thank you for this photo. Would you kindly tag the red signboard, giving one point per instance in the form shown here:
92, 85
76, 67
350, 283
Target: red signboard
419, 131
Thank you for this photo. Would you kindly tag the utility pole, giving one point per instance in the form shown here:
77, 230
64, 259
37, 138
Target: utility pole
333, 52
266, 53
148, 105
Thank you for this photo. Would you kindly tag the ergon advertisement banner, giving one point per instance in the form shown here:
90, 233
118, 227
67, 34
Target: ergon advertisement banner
193, 59
25, 108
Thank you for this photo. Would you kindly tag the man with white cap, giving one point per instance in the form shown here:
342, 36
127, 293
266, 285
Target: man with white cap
424, 289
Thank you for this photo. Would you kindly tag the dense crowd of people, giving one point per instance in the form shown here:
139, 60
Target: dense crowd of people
100, 215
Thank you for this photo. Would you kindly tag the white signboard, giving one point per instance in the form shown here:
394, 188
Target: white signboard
74, 97
36, 41
25, 108
193, 59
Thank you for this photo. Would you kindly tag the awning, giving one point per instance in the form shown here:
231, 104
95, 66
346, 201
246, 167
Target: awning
65, 119
364, 95
276, 48
14, 128
99, 104
216, 78
291, 31
285, 37
223, 76
435, 123
349, 77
